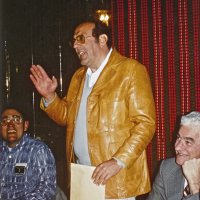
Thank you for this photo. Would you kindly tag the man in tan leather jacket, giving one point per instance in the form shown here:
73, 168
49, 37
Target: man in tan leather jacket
110, 106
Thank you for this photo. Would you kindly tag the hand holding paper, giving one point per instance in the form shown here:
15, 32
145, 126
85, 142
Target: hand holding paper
82, 186
105, 171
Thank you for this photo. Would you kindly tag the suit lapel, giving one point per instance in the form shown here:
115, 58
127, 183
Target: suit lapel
179, 179
175, 190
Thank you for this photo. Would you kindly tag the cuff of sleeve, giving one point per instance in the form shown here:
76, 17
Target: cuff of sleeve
119, 162
47, 103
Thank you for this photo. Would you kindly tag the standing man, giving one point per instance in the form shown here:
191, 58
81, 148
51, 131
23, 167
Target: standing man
108, 110
179, 177
27, 166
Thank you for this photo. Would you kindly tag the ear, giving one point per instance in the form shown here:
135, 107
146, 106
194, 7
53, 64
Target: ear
103, 38
26, 125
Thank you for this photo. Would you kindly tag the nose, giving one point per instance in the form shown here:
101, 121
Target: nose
178, 144
75, 44
10, 123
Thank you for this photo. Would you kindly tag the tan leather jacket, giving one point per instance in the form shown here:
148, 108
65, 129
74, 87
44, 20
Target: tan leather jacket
120, 121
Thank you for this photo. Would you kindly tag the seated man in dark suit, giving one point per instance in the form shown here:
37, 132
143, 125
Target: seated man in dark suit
179, 177
27, 165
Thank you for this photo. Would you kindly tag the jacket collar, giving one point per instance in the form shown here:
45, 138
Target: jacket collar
106, 75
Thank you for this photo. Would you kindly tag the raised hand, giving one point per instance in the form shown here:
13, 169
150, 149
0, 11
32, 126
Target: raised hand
44, 85
105, 171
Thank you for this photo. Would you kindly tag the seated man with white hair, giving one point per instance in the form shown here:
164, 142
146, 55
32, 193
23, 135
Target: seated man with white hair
179, 177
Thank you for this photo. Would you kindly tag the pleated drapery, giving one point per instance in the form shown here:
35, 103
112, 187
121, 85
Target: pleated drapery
164, 35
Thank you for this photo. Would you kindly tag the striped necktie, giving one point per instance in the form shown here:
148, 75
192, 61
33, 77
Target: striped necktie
186, 191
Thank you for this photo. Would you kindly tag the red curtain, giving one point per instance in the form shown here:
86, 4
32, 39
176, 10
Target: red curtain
164, 35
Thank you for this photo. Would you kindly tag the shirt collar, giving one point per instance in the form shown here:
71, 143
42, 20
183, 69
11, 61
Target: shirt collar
21, 142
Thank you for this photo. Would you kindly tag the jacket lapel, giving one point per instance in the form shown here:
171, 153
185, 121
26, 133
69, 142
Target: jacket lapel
175, 190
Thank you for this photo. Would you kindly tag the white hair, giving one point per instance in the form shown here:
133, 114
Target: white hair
192, 118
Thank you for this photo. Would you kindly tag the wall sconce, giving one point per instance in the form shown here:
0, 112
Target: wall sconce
103, 15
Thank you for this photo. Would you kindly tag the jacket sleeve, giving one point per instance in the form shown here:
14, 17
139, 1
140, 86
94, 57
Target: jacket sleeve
46, 187
57, 110
60, 109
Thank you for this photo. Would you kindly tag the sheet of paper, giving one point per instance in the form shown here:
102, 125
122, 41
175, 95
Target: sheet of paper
82, 186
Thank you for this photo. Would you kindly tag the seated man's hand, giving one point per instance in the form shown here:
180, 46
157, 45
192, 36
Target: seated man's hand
191, 170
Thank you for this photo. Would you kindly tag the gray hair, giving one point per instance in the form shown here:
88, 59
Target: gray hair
192, 118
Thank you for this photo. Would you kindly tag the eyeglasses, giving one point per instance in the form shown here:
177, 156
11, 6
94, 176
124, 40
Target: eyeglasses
15, 119
80, 39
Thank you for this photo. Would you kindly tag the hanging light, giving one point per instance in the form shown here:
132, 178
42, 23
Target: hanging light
103, 15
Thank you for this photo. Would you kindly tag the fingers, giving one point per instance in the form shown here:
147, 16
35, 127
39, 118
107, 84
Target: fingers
41, 72
35, 75
100, 175
193, 174
38, 72
33, 79
105, 171
44, 85
192, 162
54, 81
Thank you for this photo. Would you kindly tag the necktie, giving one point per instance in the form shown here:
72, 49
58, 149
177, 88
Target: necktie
186, 191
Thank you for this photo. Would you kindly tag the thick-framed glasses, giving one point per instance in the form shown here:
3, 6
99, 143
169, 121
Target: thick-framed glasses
80, 39
15, 119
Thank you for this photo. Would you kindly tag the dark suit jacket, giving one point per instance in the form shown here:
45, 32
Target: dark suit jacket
169, 183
